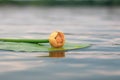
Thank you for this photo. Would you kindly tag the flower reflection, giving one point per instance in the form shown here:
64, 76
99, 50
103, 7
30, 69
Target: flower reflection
57, 54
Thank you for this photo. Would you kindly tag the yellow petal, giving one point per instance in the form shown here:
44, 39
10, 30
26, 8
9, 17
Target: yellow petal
56, 39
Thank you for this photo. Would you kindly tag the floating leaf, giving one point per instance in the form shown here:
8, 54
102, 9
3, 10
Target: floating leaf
30, 47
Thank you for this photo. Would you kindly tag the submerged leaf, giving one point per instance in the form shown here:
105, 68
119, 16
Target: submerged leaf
30, 47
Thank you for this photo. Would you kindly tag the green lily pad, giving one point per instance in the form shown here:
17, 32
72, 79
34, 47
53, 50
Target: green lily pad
30, 47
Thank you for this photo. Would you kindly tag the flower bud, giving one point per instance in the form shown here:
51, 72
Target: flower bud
56, 39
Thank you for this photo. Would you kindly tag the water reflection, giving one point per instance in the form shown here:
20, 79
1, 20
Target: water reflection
54, 54
57, 54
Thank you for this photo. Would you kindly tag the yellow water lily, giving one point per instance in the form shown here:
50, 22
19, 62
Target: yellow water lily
57, 39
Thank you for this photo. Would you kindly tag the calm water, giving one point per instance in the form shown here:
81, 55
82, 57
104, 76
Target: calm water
99, 26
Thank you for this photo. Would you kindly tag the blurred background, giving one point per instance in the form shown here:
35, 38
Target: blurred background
63, 2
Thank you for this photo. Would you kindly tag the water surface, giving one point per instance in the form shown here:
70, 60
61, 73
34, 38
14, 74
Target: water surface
98, 26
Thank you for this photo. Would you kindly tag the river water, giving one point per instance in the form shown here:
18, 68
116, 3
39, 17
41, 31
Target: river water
98, 26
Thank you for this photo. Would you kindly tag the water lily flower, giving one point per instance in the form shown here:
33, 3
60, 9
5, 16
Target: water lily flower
57, 39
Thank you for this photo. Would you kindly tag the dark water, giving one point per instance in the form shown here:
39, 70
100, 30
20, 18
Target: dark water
99, 26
